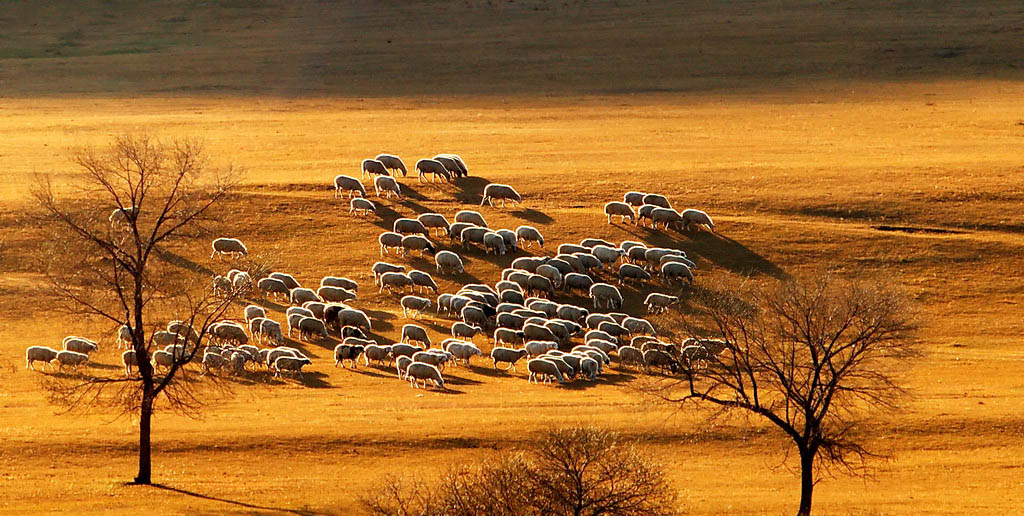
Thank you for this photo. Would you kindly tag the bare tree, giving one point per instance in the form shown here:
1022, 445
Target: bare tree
117, 234
570, 472
814, 356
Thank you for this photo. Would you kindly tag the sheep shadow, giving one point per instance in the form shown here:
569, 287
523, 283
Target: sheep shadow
449, 378
491, 372
732, 255
369, 371
470, 189
532, 215
106, 367
184, 263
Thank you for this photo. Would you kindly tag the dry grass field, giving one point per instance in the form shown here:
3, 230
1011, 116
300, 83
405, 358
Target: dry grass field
818, 137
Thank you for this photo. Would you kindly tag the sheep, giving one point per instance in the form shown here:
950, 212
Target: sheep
541, 367
636, 254
529, 235
595, 352
606, 346
213, 360
161, 358
271, 286
510, 320
163, 338
298, 310
448, 261
512, 296
285, 278
372, 167
270, 331
528, 263
494, 241
388, 185
676, 271
588, 261
309, 326
567, 263
667, 217
40, 354
614, 329
433, 167
423, 280
377, 353
409, 226
129, 359
456, 229
361, 206
474, 315
560, 331
634, 198
508, 336
253, 312
542, 305
697, 219
638, 326
417, 371
589, 368
389, 240
232, 247
273, 354
629, 355
604, 294
413, 304
572, 312
414, 333
80, 345
335, 294
293, 364
70, 358
657, 200
418, 243
695, 356
621, 210
539, 347
540, 284
435, 357
399, 280
461, 330
124, 336
510, 238
572, 248
676, 258
643, 214
659, 358
463, 351
607, 254
404, 350
600, 334
563, 365
349, 349
521, 278
495, 191
552, 273
471, 217
299, 296
507, 355
473, 235
401, 364
593, 320
456, 166
120, 217
630, 272
432, 221
343, 184
393, 163
224, 331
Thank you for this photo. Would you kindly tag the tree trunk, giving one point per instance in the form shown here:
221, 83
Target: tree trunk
145, 416
806, 481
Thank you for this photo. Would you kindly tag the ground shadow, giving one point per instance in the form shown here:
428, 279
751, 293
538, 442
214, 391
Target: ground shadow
532, 215
184, 263
471, 189
715, 248
302, 512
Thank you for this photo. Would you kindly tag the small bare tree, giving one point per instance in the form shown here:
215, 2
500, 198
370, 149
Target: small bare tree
568, 472
813, 356
116, 234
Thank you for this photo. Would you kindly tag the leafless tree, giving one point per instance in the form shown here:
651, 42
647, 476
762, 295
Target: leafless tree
570, 472
815, 356
118, 234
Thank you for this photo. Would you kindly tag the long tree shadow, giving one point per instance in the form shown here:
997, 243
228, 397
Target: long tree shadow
301, 512
184, 263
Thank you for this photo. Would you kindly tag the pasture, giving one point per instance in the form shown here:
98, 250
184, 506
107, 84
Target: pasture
904, 165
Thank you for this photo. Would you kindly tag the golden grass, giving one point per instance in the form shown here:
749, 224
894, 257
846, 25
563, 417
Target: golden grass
797, 160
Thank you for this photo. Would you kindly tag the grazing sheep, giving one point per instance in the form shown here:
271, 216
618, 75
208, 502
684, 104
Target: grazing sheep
372, 167
659, 358
630, 272
637, 326
434, 221
461, 330
572, 248
604, 345
495, 191
528, 263
567, 370
456, 229
614, 329
298, 310
473, 235
343, 184
299, 296
361, 206
607, 254
510, 238
696, 219
658, 303
393, 163
417, 371
593, 320
507, 355
475, 315
292, 364
212, 361
601, 334
552, 273
604, 294
418, 243
120, 217
540, 284
588, 261
657, 200
310, 326
471, 217
423, 280
380, 268
528, 235
271, 286
643, 214
232, 247
389, 240
414, 333
80, 345
270, 332
676, 271
161, 358
435, 168
124, 337
224, 331
40, 354
567, 263
388, 185
254, 312
544, 368
667, 217
128, 358
621, 210
634, 198
435, 357
494, 242
508, 336
572, 312
377, 353
353, 317
401, 364
335, 281
457, 165
348, 350
285, 278
512, 296
404, 350
448, 261
510, 320
399, 280
335, 294
542, 305
629, 355
409, 227
414, 304
591, 243
574, 282
677, 258
463, 351
273, 354
70, 358
536, 348
503, 285
163, 338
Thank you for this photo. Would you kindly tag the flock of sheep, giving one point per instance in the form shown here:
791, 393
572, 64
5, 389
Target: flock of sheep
519, 315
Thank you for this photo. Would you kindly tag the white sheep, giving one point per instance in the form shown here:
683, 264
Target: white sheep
39, 354
696, 219
435, 168
409, 226
361, 206
372, 167
423, 280
377, 353
253, 312
413, 333
494, 241
343, 184
667, 217
271, 286
129, 359
393, 163
463, 351
70, 358
507, 355
657, 200
544, 368
448, 262
413, 304
388, 185
418, 243
300, 295
498, 191
604, 294
539, 347
634, 198
621, 210
380, 268
658, 303
676, 271
434, 221
79, 344
630, 272
471, 217
292, 364
399, 280
232, 247
417, 371
335, 294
